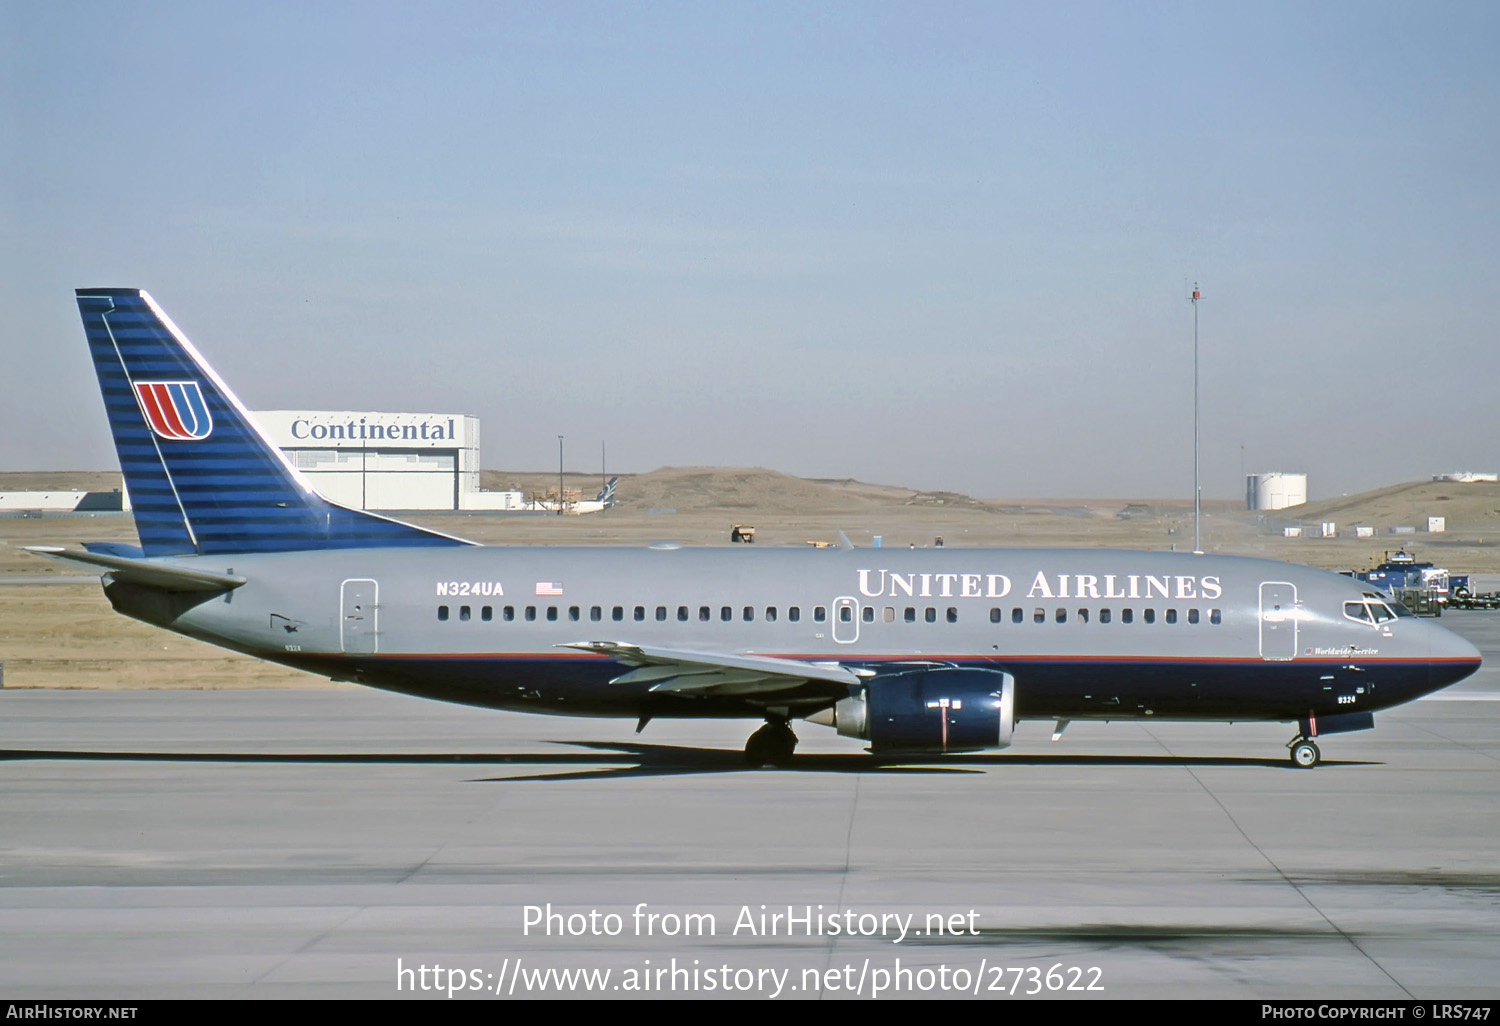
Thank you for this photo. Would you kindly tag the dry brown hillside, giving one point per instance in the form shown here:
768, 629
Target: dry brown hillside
1467, 507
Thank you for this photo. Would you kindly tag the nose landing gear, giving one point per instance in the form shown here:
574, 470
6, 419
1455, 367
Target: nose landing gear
772, 744
1304, 753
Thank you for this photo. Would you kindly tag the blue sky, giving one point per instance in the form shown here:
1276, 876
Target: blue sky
941, 245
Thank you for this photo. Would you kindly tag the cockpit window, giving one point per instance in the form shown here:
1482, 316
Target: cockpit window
1400, 609
1378, 606
1374, 610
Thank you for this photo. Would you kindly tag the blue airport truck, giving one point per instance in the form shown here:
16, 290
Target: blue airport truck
1422, 587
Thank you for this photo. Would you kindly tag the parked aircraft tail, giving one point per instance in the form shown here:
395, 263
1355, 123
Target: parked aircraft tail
606, 494
202, 477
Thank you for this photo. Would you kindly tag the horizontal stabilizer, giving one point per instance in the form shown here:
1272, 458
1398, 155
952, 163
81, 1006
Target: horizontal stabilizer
140, 571
115, 549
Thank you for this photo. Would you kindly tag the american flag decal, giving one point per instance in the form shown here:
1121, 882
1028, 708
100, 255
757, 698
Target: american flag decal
549, 587
174, 409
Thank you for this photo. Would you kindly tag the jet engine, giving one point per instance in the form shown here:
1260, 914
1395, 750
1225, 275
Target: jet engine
942, 709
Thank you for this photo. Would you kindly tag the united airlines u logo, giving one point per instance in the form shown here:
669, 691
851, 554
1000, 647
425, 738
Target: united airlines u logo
175, 409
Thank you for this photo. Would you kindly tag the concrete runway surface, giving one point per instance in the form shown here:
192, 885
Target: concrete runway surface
338, 842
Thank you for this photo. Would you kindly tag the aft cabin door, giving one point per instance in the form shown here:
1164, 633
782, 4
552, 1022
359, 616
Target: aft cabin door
357, 628
1278, 620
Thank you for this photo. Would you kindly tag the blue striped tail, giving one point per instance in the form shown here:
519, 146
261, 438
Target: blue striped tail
202, 478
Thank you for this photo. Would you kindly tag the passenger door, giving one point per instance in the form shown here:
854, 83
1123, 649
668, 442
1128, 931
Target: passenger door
1278, 620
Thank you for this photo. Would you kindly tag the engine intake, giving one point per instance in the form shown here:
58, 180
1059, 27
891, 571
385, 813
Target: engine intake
947, 709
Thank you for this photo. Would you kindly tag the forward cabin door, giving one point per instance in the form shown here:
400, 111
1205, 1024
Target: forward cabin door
358, 634
1278, 620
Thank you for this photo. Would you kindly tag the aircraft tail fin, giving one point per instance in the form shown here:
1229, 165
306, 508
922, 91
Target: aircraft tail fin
607, 493
203, 479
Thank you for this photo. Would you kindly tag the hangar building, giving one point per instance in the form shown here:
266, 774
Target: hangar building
387, 460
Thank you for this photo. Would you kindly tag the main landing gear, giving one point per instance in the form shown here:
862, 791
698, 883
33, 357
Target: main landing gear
772, 744
1304, 752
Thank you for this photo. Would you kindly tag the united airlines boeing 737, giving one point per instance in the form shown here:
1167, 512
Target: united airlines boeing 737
913, 651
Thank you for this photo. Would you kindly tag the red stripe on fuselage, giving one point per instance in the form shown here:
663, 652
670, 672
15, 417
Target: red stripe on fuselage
909, 657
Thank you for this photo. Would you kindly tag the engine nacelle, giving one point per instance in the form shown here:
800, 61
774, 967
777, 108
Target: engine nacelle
945, 709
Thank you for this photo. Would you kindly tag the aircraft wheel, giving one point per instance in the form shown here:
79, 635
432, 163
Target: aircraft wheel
1305, 754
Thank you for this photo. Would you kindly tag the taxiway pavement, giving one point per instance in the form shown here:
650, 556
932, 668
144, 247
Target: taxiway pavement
314, 843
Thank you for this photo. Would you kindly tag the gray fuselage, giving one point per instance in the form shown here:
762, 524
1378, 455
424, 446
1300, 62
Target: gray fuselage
1086, 633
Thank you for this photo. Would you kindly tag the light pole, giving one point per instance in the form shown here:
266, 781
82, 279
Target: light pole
1197, 490
559, 476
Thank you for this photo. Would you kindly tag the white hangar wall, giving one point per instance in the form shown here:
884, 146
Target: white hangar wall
392, 461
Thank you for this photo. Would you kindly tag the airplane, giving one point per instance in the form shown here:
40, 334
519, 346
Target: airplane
599, 503
916, 652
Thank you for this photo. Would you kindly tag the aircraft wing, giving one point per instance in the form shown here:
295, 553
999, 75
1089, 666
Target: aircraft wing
719, 673
141, 571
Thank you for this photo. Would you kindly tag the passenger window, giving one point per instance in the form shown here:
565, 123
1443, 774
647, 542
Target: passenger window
846, 615
487, 614
995, 615
1149, 616
617, 614
930, 615
911, 614
573, 613
1083, 616
640, 613
1062, 615
888, 614
704, 614
463, 612
1017, 615
1127, 616
794, 614
1104, 616
596, 614
819, 614
749, 613
682, 614
953, 614
1215, 617
771, 614
1192, 616
661, 614
868, 614
1171, 616
552, 613
508, 613
442, 612
1039, 615
726, 614
530, 613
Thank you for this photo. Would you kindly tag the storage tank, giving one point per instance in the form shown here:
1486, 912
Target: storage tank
1275, 490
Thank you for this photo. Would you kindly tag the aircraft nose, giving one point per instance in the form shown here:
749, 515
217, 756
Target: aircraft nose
1453, 657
